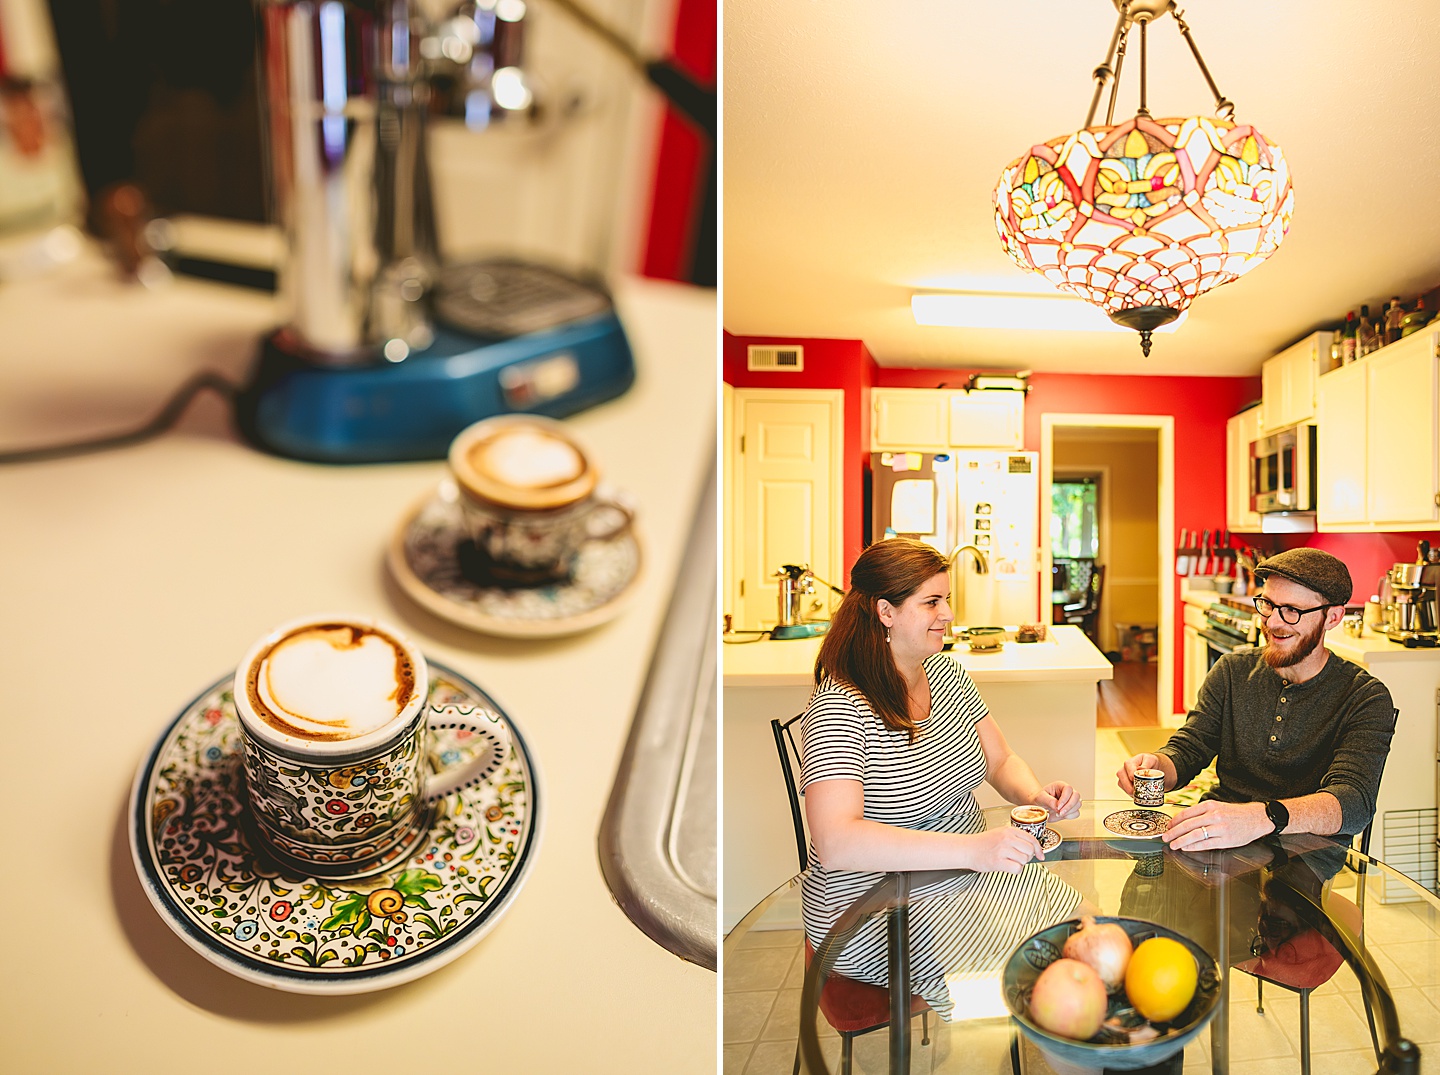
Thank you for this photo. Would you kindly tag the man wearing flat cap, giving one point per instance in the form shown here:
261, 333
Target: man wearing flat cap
1299, 735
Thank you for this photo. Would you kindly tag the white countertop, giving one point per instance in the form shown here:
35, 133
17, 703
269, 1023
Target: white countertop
132, 579
1371, 647
1066, 654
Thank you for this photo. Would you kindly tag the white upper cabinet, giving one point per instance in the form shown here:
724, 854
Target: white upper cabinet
1340, 443
1239, 432
912, 419
993, 419
1401, 461
1379, 440
938, 419
1288, 383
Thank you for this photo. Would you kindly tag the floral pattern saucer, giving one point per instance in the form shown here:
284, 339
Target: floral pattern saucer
1138, 824
1050, 841
193, 848
424, 557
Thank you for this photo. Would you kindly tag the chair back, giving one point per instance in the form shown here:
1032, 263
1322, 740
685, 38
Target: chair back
1359, 865
789, 759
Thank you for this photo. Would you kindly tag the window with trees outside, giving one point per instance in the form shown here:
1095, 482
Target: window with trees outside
1074, 519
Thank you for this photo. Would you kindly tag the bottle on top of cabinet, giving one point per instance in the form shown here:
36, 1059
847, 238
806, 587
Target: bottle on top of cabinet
1393, 318
1348, 339
1365, 339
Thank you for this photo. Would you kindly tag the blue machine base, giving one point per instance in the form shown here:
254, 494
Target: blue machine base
800, 630
413, 409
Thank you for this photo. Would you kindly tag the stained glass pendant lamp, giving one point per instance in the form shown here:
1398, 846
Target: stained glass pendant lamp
1140, 217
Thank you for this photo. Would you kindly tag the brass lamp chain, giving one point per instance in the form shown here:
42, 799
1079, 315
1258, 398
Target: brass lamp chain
1115, 85
1223, 108
1109, 70
1104, 73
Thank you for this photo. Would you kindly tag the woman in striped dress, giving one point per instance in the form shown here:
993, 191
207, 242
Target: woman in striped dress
894, 741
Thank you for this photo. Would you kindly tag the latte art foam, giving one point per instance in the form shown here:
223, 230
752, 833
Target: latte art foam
527, 459
331, 681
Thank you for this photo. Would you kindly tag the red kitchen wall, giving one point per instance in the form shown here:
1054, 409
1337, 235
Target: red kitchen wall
844, 364
1199, 405
1368, 556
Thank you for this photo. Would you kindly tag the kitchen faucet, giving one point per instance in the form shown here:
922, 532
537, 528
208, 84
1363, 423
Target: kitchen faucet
982, 567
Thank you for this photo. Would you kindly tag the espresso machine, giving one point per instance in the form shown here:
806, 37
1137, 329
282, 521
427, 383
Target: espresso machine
387, 352
1414, 606
797, 583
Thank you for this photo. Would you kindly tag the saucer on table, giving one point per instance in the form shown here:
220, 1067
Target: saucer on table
192, 848
1138, 824
426, 560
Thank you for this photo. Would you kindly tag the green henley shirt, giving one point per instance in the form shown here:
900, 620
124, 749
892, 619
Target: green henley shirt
1273, 739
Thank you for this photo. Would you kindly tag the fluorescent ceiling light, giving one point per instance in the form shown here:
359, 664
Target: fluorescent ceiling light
1053, 312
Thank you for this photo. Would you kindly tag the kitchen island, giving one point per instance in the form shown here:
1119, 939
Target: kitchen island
1405, 811
1041, 694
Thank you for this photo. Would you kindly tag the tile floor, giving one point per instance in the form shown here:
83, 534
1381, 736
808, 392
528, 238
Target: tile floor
762, 1002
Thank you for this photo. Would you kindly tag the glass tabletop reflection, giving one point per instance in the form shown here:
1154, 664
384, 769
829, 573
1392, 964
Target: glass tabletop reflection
1339, 953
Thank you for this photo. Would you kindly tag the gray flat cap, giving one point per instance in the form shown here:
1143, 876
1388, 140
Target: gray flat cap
1313, 569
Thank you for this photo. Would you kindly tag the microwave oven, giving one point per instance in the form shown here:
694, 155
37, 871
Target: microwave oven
1282, 471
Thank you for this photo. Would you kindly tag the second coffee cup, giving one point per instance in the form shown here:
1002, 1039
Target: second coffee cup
528, 493
1149, 787
334, 725
1030, 818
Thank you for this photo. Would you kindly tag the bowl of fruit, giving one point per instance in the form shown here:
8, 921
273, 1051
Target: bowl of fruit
1117, 993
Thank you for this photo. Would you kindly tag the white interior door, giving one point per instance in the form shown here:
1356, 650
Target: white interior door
787, 461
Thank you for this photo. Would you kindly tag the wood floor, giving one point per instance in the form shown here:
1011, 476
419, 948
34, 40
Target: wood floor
1128, 700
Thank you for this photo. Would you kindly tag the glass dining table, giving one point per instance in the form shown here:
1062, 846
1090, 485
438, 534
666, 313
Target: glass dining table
1325, 959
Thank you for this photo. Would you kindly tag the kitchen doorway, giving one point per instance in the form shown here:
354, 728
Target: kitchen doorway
1128, 462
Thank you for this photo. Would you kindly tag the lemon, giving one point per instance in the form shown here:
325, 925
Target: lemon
1160, 980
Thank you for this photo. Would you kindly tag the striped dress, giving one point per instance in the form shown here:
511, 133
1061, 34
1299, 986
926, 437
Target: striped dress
965, 926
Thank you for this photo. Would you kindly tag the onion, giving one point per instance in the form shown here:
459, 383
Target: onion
1104, 947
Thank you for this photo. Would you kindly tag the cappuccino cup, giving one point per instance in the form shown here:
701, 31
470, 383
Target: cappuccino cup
334, 724
1149, 787
528, 496
1030, 818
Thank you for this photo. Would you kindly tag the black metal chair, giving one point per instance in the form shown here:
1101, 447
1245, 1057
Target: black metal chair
852, 1008
1304, 978
1086, 614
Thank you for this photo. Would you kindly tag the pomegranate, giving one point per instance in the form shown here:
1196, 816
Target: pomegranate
1104, 946
1069, 999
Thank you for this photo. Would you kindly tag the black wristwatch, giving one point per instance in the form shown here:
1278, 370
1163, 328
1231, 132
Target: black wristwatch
1278, 815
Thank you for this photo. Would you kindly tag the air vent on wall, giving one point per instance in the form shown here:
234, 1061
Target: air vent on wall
776, 359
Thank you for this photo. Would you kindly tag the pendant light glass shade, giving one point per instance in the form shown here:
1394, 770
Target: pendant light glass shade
1146, 214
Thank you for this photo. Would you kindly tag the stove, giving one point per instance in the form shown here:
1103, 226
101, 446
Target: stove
1230, 628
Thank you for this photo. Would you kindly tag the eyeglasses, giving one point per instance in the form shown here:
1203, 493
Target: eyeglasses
1288, 613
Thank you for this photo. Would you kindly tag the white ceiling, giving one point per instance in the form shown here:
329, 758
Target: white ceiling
862, 142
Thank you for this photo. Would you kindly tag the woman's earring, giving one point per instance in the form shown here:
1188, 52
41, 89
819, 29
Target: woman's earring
887, 636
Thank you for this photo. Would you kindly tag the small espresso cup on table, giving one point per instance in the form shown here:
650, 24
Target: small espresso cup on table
528, 492
1030, 818
1149, 787
334, 725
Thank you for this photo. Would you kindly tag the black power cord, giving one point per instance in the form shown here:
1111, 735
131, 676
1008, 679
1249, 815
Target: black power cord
164, 420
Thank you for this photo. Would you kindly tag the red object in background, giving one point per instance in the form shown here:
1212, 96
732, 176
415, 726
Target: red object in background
684, 159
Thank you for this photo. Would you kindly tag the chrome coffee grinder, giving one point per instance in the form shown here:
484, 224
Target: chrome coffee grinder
388, 353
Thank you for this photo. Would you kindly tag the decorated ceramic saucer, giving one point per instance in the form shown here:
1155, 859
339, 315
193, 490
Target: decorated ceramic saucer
1050, 841
1138, 824
192, 849
425, 557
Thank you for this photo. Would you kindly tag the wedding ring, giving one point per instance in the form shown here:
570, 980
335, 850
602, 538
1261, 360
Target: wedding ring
1205, 831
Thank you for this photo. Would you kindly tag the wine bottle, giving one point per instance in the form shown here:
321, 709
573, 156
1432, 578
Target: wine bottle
1393, 317
1364, 333
1347, 339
